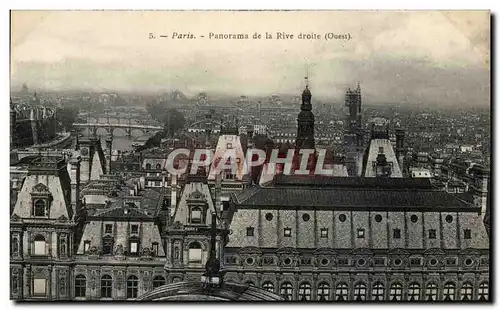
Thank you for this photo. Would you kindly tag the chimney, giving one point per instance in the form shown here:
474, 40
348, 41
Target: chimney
109, 150
400, 136
480, 187
173, 198
75, 183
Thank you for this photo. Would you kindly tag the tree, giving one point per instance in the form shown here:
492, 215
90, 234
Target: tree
67, 116
173, 121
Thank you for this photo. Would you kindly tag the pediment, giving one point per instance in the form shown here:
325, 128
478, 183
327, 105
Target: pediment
434, 251
399, 252
40, 188
196, 195
15, 218
469, 251
287, 250
362, 251
250, 250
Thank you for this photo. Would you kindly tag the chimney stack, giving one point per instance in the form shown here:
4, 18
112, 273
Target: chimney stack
400, 153
109, 150
75, 182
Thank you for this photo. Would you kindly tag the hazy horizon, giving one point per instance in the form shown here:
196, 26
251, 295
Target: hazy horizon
432, 57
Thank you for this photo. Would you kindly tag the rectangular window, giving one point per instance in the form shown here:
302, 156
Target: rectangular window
39, 247
229, 146
155, 247
250, 231
196, 215
467, 234
343, 261
415, 262
361, 233
39, 286
195, 255
451, 261
133, 247
432, 234
305, 261
108, 229
396, 233
86, 246
287, 232
134, 229
379, 261
381, 150
324, 232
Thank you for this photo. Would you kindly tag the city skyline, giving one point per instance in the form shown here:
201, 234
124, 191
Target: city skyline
390, 53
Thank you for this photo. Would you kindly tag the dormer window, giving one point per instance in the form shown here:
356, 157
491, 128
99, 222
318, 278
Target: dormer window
86, 246
158, 166
108, 229
196, 215
107, 245
134, 246
155, 248
134, 229
40, 208
148, 166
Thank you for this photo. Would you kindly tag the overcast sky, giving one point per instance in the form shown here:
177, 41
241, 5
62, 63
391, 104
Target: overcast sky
398, 57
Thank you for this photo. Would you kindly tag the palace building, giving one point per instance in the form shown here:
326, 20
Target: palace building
80, 230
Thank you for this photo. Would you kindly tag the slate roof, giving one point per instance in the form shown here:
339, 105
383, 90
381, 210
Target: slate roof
351, 182
352, 193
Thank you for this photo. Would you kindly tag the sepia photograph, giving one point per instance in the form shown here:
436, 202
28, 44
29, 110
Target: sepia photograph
289, 156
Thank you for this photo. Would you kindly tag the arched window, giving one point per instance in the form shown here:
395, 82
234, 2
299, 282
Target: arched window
466, 291
305, 291
80, 285
148, 166
286, 290
341, 291
323, 291
449, 291
39, 245
106, 286
396, 292
378, 291
414, 291
268, 286
360, 291
194, 255
132, 286
431, 292
483, 292
158, 281
39, 208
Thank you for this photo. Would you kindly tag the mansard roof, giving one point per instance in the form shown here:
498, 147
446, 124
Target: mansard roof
350, 193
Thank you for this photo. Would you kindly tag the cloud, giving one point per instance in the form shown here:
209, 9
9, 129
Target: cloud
398, 56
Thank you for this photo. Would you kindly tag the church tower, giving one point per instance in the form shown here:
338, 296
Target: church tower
305, 122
